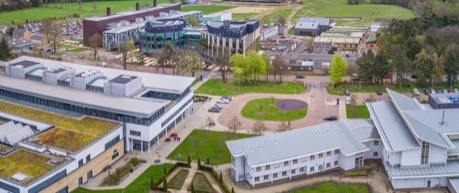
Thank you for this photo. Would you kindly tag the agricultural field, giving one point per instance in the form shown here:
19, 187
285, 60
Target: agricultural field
87, 10
207, 9
242, 16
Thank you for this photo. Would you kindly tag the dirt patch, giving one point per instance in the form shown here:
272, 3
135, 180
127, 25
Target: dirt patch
291, 104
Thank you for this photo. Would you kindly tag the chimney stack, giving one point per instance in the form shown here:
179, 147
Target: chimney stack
154, 3
108, 11
137, 7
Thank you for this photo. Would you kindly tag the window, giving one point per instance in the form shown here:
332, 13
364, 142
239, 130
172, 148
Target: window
375, 154
135, 133
80, 180
321, 155
311, 169
312, 157
266, 177
320, 166
302, 169
258, 169
89, 175
257, 179
337, 151
80, 163
112, 142
293, 171
295, 161
286, 163
115, 154
376, 143
88, 158
328, 153
425, 152
328, 165
267, 167
275, 175
336, 162
284, 173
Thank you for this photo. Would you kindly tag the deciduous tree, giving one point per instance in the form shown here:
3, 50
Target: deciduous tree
5, 50
282, 20
338, 69
222, 60
46, 26
95, 41
259, 127
126, 49
193, 21
190, 62
452, 65
234, 124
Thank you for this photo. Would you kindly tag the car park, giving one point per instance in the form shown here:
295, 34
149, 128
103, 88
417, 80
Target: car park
331, 118
439, 91
378, 92
223, 100
229, 98
299, 76
218, 106
416, 91
347, 92
214, 110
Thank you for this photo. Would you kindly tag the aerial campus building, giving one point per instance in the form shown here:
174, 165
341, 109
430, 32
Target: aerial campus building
417, 143
114, 110
310, 26
157, 33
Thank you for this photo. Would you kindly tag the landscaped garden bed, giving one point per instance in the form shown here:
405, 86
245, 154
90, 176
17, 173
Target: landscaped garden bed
29, 163
273, 110
179, 178
65, 139
121, 172
332, 187
201, 183
198, 144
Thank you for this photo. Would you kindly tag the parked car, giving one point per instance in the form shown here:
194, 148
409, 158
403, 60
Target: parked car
299, 76
416, 91
432, 91
214, 110
439, 91
378, 92
348, 100
347, 92
456, 91
445, 91
223, 100
219, 106
330, 118
229, 98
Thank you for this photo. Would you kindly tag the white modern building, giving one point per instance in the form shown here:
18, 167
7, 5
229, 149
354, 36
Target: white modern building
418, 145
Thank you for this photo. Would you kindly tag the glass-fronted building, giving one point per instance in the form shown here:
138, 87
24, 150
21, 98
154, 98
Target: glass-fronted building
157, 33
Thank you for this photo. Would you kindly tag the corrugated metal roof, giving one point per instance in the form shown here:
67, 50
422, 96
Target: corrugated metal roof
321, 21
454, 150
403, 102
454, 183
425, 133
300, 142
362, 129
450, 169
306, 25
394, 132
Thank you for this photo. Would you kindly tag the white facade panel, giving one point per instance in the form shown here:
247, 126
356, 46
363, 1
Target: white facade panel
347, 162
411, 158
419, 183
395, 158
437, 154
376, 149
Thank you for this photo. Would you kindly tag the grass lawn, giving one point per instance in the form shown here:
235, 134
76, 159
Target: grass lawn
361, 111
66, 46
207, 9
206, 144
242, 16
86, 125
87, 9
26, 162
78, 49
140, 185
331, 187
274, 16
215, 86
66, 139
4, 148
355, 173
179, 178
201, 183
356, 87
196, 80
251, 110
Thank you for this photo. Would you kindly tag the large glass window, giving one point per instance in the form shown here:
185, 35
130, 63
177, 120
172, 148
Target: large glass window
425, 152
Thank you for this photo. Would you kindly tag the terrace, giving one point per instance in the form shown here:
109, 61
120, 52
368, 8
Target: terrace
31, 165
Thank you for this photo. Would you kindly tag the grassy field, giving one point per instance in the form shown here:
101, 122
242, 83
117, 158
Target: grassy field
87, 9
270, 112
140, 185
360, 112
79, 49
201, 183
179, 178
26, 162
86, 125
331, 187
242, 16
274, 16
207, 9
217, 87
198, 144
65, 139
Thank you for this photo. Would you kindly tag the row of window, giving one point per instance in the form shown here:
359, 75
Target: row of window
295, 161
294, 171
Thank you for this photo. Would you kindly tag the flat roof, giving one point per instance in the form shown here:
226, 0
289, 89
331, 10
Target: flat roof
126, 13
123, 79
96, 100
285, 145
352, 40
24, 64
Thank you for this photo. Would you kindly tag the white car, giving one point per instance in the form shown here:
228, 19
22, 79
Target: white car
348, 100
416, 91
223, 100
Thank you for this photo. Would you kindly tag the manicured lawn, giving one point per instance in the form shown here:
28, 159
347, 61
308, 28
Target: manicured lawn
26, 162
66, 46
201, 183
87, 9
331, 187
207, 9
251, 110
78, 49
86, 125
361, 111
233, 88
4, 148
242, 16
140, 185
206, 144
179, 178
65, 139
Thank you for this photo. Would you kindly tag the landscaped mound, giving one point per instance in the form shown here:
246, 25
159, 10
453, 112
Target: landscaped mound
268, 109
290, 104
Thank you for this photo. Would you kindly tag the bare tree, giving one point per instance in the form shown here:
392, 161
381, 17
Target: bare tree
126, 49
234, 124
54, 35
223, 62
164, 56
283, 127
279, 65
189, 62
95, 41
259, 127
209, 122
46, 26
